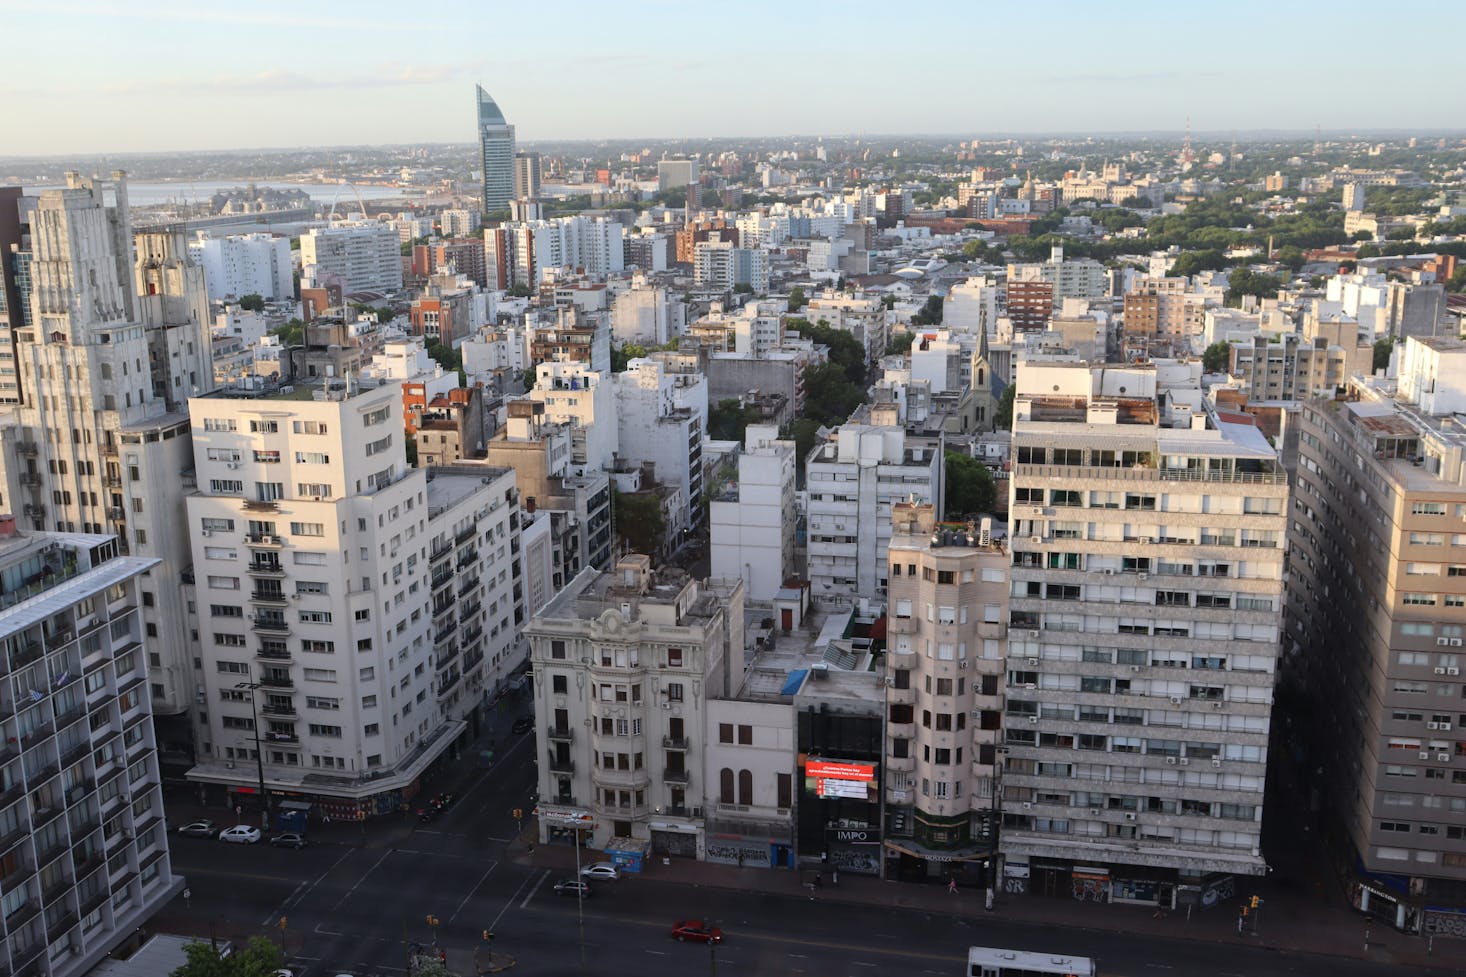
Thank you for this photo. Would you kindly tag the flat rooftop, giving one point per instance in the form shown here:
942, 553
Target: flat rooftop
814, 659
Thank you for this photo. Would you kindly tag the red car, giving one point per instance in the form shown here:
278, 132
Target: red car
697, 930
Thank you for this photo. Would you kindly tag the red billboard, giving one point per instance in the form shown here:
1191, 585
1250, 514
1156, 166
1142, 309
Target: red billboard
836, 770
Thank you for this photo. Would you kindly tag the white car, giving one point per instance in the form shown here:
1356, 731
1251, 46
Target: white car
601, 870
240, 834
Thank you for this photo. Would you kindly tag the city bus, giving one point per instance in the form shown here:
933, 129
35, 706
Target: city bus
985, 961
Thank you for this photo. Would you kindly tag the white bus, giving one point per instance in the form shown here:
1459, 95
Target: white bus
985, 961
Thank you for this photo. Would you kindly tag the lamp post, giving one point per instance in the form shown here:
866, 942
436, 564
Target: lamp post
579, 898
254, 711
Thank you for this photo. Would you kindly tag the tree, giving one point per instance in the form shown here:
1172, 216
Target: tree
797, 299
253, 302
292, 333
1382, 350
446, 356
900, 344
1192, 262
1003, 414
846, 351
1457, 281
519, 290
639, 520
259, 958
803, 432
1217, 358
930, 314
970, 489
728, 419
829, 396
1245, 281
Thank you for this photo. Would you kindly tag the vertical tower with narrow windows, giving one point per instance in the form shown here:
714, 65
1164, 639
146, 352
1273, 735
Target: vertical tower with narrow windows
496, 153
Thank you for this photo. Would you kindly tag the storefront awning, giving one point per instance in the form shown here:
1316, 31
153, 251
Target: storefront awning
907, 847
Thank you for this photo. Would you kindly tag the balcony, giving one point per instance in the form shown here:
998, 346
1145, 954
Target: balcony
465, 534
264, 539
112, 481
562, 764
679, 775
267, 596
274, 654
269, 625
265, 569
278, 709
277, 682
561, 733
279, 738
674, 742
30, 479
261, 505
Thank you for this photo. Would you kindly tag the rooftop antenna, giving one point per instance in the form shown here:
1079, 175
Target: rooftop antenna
1187, 156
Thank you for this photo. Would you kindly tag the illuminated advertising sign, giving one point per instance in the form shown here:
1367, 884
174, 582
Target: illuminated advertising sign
835, 770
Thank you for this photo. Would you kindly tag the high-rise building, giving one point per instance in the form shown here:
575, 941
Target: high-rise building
81, 802
625, 663
945, 661
365, 255
674, 173
725, 265
100, 444
527, 176
245, 264
352, 610
853, 480
1147, 575
1378, 612
752, 517
496, 153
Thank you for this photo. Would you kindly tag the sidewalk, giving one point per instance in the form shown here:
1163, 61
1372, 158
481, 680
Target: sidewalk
1309, 925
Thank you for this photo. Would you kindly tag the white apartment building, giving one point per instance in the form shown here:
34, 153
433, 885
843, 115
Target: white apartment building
864, 317
662, 418
577, 395
752, 518
345, 602
643, 314
972, 306
118, 338
459, 222
624, 665
245, 264
944, 666
365, 255
1080, 278
852, 481
724, 265
1143, 638
84, 844
524, 250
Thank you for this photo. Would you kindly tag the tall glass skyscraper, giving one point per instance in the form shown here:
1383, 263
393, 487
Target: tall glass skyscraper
496, 147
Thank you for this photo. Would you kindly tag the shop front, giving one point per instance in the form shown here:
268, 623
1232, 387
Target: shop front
673, 839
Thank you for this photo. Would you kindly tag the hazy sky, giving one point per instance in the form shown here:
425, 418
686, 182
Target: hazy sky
80, 77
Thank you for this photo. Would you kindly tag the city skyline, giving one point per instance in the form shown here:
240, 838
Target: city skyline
153, 79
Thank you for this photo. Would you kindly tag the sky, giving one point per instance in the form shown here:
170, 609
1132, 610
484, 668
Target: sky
163, 75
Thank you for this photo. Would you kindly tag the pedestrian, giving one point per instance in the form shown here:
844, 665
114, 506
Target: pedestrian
819, 882
835, 878
952, 885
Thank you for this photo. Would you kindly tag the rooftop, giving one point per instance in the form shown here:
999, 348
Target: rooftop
816, 658
449, 485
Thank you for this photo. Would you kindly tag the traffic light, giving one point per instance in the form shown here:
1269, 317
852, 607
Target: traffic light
284, 921
1244, 912
488, 937
1256, 902
432, 920
518, 813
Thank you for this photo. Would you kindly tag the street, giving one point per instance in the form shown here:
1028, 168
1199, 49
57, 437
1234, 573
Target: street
357, 900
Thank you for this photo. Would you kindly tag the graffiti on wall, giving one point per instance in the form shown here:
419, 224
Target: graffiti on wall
1087, 890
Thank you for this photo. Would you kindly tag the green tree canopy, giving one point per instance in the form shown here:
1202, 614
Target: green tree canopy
970, 489
1217, 358
253, 302
519, 290
1245, 281
292, 333
900, 344
258, 958
829, 396
639, 520
1003, 414
728, 419
930, 314
797, 298
846, 352
1382, 350
803, 432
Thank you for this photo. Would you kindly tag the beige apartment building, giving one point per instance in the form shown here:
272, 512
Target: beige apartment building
1377, 617
944, 664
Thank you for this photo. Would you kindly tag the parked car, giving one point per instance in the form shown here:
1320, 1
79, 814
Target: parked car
696, 930
523, 724
240, 834
573, 887
601, 870
288, 839
199, 829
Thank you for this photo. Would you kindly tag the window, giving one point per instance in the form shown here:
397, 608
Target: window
219, 424
557, 650
559, 684
725, 786
375, 417
319, 730
1428, 509
307, 529
674, 691
745, 787
308, 427
725, 732
745, 735
312, 458
674, 660
315, 617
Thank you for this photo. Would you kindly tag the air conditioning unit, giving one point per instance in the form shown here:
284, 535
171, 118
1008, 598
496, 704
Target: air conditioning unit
1146, 539
1145, 576
1109, 571
1033, 661
206, 533
1175, 700
1445, 727
962, 663
1432, 725
1424, 756
1035, 540
1216, 761
1094, 812
1028, 805
1455, 642
1443, 641
1443, 757
1217, 704
1134, 668
1440, 671
1184, 761
1453, 671
1170, 761
1129, 816
1033, 720
233, 465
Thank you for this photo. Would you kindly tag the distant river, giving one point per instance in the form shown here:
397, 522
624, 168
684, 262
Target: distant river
152, 194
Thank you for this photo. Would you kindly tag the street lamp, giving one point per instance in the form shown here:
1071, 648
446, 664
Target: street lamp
252, 688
